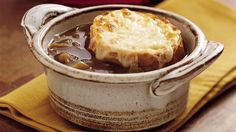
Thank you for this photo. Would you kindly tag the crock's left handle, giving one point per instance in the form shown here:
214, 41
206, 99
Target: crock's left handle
37, 16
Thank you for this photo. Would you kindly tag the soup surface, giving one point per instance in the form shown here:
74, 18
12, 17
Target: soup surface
70, 48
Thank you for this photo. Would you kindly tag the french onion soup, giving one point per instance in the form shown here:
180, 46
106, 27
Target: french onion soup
119, 41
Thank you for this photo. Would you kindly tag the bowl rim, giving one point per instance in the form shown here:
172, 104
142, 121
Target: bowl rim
50, 63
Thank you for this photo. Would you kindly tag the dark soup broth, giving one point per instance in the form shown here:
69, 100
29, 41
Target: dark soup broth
70, 48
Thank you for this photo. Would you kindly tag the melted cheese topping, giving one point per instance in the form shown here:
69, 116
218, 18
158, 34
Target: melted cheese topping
127, 33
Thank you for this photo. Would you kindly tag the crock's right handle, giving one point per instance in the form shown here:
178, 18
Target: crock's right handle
177, 77
37, 16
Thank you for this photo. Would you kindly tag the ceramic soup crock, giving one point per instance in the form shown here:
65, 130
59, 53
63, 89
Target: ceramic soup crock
116, 102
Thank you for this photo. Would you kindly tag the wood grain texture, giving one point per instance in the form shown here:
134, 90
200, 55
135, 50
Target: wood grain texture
16, 60
17, 66
217, 115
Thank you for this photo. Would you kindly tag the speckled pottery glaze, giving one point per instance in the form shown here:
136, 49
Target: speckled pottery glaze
116, 102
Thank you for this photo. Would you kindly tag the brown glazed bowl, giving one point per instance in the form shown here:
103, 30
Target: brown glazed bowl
116, 102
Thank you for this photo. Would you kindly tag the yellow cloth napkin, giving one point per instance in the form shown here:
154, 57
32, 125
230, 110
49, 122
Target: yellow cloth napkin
29, 104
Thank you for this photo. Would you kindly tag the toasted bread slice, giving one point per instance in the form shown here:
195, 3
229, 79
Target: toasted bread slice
135, 40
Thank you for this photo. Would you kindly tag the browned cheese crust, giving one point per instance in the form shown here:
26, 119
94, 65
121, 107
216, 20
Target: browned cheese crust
135, 40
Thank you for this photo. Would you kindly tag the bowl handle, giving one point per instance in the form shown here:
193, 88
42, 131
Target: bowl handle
39, 15
177, 77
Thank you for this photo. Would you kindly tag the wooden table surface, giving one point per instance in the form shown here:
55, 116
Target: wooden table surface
18, 66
